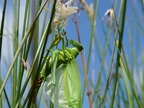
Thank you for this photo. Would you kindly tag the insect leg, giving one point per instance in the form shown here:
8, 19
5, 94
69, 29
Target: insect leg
54, 66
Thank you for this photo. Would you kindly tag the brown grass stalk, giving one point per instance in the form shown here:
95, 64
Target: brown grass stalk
83, 63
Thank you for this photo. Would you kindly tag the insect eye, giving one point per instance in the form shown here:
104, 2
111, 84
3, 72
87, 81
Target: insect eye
109, 14
65, 5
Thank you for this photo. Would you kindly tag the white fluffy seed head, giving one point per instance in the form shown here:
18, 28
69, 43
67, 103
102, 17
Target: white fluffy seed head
111, 14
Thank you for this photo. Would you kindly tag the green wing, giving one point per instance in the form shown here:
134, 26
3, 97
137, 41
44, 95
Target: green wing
66, 92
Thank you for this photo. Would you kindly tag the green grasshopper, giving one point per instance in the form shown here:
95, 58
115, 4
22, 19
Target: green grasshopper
57, 58
61, 75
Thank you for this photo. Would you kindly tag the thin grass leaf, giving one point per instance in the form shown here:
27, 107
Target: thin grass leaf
16, 8
19, 49
127, 83
122, 22
47, 31
1, 38
93, 24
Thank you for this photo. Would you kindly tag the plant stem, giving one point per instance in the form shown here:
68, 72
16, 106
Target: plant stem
83, 64
123, 7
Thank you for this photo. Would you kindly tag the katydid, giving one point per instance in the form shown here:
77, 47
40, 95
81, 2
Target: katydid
59, 57
61, 75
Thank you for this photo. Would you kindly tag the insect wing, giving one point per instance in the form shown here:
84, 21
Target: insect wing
66, 92
69, 11
63, 14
